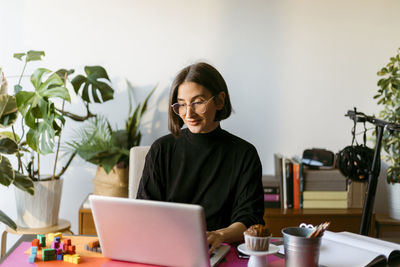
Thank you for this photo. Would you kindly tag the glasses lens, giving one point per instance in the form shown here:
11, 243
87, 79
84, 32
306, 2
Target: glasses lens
199, 107
175, 108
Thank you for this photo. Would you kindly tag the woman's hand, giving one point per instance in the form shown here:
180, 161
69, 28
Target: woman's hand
232, 233
214, 239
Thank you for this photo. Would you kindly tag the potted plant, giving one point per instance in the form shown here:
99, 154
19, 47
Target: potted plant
98, 143
40, 132
388, 97
8, 115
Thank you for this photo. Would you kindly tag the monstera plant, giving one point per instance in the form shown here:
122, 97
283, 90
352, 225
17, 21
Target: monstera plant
42, 121
8, 146
389, 98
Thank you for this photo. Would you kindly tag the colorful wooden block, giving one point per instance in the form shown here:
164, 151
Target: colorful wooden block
94, 244
55, 244
32, 258
76, 258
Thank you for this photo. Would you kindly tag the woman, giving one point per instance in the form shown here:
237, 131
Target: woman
204, 164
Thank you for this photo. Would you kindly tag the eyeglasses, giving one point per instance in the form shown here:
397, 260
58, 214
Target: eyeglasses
198, 107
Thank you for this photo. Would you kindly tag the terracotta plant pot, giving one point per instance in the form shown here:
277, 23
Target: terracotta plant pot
113, 184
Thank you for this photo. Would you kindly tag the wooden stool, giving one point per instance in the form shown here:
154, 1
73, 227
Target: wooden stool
62, 226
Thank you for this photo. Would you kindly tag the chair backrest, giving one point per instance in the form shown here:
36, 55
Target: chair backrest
136, 165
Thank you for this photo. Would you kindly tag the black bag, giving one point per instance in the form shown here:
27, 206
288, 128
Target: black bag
319, 157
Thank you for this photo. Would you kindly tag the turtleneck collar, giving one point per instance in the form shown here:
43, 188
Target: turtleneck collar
203, 138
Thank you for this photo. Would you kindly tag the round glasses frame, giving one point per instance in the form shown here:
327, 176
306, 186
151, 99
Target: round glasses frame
194, 106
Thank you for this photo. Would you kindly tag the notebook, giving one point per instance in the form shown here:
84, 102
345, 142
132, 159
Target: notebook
153, 232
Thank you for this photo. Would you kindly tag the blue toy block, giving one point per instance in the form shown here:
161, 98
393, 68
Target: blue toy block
32, 258
59, 257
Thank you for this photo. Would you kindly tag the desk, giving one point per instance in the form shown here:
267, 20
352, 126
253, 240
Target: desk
387, 228
17, 254
62, 226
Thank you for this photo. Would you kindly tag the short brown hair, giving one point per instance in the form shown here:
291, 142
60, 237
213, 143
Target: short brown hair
207, 76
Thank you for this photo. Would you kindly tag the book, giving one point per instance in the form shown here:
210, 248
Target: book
271, 190
324, 180
289, 183
279, 175
301, 184
324, 204
349, 249
284, 183
272, 204
356, 194
270, 181
325, 195
296, 184
345, 249
271, 197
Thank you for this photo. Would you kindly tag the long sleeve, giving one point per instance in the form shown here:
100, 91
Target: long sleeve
217, 170
249, 204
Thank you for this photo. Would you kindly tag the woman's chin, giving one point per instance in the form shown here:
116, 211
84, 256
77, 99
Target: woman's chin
195, 129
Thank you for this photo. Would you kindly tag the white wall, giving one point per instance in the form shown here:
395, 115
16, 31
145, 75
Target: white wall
293, 68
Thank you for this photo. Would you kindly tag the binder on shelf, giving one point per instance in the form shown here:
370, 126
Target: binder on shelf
289, 183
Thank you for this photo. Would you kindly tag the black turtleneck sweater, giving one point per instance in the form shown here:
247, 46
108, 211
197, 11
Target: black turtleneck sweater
216, 170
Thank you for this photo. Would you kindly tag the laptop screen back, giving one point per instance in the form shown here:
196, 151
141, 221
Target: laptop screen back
152, 232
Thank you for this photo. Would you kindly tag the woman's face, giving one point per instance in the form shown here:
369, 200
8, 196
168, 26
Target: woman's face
198, 122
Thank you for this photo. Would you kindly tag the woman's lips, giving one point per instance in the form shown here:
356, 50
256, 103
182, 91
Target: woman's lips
193, 123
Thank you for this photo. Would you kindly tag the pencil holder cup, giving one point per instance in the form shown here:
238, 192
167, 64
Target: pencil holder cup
300, 251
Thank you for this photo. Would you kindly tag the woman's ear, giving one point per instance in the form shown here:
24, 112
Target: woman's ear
220, 103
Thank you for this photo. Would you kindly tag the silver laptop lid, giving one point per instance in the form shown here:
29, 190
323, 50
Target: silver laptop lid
153, 232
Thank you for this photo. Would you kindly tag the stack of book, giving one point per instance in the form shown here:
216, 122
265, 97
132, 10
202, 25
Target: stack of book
302, 187
325, 200
289, 173
271, 192
325, 189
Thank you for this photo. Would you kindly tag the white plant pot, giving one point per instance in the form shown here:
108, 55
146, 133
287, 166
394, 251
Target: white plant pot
394, 201
41, 209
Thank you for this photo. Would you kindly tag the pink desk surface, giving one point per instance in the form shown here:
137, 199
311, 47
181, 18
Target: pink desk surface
19, 259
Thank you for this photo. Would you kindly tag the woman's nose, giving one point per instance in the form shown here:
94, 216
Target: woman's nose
189, 111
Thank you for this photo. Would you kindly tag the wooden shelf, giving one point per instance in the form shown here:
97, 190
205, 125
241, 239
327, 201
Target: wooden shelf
275, 219
86, 222
341, 219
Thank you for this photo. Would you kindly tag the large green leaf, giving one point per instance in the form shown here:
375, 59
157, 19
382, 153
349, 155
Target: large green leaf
10, 135
39, 112
6, 171
133, 122
23, 101
42, 138
7, 220
64, 73
92, 85
31, 55
24, 183
3, 83
7, 145
8, 110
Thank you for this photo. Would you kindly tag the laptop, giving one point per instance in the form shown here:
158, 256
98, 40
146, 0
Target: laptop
153, 232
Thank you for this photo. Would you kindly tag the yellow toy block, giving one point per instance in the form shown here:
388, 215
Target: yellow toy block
51, 236
75, 259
